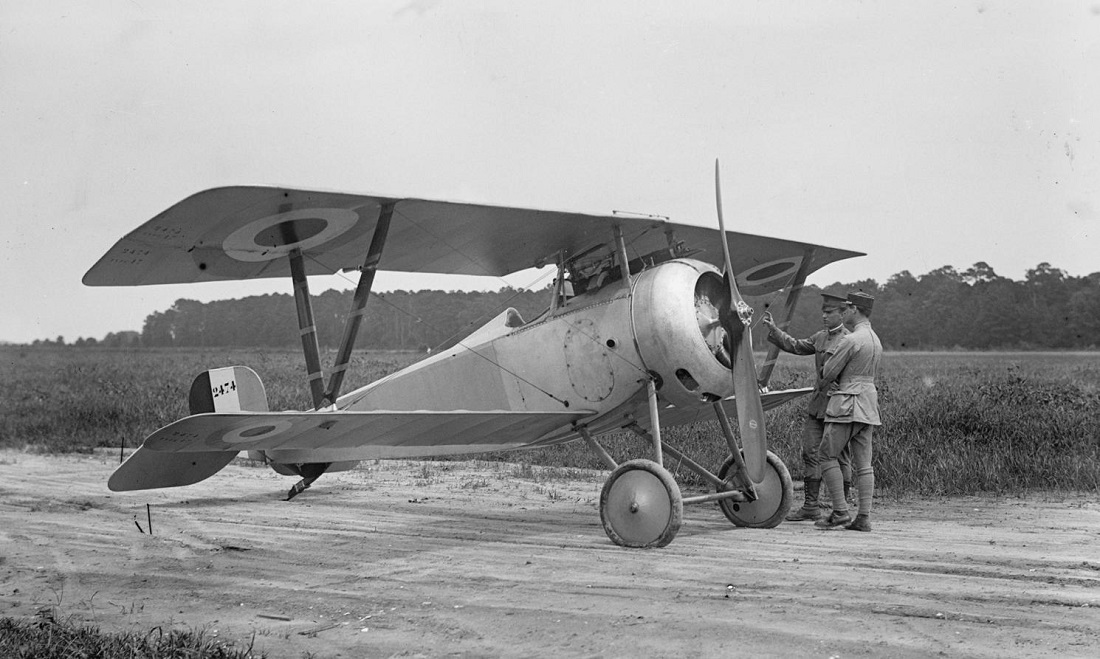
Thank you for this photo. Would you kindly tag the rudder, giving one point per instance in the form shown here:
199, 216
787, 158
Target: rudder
229, 389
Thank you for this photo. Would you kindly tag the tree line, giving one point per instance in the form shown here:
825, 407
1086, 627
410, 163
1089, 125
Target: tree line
399, 320
975, 309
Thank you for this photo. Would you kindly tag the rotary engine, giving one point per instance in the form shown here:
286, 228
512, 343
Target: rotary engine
675, 311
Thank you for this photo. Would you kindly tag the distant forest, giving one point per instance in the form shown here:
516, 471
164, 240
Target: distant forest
944, 309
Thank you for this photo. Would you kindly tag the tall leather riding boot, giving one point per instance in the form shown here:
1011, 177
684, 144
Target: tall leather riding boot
809, 510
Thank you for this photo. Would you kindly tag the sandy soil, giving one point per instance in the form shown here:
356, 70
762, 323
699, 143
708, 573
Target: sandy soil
472, 559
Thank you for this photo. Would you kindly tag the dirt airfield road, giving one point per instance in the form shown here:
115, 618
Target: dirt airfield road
474, 559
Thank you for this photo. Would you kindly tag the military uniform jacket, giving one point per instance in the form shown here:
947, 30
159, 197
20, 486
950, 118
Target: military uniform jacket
818, 345
849, 375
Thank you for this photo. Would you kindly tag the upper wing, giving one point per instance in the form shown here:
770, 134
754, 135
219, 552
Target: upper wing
242, 233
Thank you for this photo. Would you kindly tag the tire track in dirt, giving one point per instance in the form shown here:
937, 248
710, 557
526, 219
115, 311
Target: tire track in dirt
465, 558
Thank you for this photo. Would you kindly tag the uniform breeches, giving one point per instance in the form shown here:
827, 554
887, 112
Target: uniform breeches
854, 437
813, 431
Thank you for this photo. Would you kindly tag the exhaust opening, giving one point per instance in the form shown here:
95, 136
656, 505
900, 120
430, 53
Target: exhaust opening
690, 383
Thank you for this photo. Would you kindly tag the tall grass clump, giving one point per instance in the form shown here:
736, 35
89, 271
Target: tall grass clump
76, 399
44, 636
991, 425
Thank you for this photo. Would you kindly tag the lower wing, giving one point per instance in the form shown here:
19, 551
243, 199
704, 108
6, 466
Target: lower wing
196, 447
669, 415
240, 431
678, 416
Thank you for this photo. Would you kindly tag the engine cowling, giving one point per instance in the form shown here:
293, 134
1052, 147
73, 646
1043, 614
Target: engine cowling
675, 309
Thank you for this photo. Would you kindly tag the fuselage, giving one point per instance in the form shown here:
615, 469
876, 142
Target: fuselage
592, 352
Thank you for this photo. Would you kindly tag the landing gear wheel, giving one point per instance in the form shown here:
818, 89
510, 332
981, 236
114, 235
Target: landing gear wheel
640, 505
773, 497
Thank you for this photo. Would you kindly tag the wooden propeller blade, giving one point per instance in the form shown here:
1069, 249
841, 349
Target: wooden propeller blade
750, 410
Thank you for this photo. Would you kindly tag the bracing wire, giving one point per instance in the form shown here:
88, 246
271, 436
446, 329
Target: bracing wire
381, 298
497, 309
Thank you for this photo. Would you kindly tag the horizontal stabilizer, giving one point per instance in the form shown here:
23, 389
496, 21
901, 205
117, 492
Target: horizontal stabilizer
147, 470
404, 433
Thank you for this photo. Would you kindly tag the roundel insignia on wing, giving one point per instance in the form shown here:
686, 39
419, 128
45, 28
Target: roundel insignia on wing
275, 236
770, 275
256, 431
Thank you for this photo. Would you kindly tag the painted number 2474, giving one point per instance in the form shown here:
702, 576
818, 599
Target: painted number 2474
223, 389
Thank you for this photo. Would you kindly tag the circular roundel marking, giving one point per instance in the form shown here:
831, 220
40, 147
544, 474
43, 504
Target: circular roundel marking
770, 272
289, 231
256, 431
275, 236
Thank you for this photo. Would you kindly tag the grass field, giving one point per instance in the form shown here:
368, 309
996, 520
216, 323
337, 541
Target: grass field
953, 423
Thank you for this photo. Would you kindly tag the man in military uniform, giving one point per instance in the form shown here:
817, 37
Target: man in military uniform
813, 428
852, 412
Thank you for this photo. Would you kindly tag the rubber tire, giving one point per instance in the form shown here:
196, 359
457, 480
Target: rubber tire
775, 496
641, 505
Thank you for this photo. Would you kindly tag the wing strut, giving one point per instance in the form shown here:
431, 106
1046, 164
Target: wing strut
788, 313
307, 328
322, 398
620, 250
308, 472
362, 293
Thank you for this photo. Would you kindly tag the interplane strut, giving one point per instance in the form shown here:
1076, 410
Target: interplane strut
788, 313
323, 398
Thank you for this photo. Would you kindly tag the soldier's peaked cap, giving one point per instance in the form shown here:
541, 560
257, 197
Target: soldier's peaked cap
832, 301
861, 300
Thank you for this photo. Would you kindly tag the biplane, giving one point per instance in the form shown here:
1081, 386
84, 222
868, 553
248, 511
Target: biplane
645, 328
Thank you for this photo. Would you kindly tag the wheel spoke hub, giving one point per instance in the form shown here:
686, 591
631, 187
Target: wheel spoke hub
641, 505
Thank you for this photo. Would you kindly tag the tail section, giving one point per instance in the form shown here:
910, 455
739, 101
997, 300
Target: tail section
231, 389
239, 389
149, 470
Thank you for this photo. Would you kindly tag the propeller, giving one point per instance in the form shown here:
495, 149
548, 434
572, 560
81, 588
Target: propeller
750, 411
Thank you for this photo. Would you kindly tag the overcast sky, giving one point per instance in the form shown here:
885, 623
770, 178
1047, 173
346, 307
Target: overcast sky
925, 133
